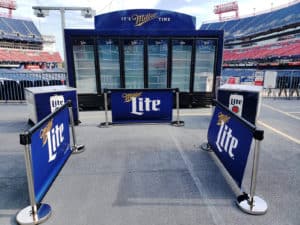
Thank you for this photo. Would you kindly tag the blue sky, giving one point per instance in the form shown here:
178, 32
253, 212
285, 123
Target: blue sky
201, 9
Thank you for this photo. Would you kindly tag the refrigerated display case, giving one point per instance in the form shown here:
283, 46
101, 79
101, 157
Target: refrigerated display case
144, 48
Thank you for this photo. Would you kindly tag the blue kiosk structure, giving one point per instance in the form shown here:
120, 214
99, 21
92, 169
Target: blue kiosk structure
144, 48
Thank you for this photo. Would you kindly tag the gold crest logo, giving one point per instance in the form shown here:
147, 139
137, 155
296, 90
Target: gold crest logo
128, 96
140, 20
222, 118
45, 130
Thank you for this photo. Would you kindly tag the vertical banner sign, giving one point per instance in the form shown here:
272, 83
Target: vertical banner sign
145, 106
231, 140
50, 149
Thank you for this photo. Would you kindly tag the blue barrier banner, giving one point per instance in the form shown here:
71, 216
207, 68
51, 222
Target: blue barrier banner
141, 105
50, 149
230, 138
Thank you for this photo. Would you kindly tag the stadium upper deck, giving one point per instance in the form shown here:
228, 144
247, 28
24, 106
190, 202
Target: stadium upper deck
269, 40
278, 20
19, 30
21, 46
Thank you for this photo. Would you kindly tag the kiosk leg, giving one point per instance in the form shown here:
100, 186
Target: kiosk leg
250, 203
75, 148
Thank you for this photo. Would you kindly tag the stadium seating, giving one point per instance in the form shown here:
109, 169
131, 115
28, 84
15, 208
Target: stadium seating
19, 30
266, 22
13, 55
278, 50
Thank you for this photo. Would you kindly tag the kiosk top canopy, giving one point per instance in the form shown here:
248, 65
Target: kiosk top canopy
144, 19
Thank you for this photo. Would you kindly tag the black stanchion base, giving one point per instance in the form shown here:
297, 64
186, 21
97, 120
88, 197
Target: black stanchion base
76, 149
25, 217
105, 125
179, 123
206, 147
77, 122
258, 207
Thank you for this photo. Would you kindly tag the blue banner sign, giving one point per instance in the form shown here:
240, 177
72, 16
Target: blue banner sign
143, 19
141, 105
50, 149
230, 138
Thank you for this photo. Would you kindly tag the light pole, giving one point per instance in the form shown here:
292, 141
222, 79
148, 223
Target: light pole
43, 11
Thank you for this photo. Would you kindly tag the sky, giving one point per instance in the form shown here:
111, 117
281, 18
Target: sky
201, 9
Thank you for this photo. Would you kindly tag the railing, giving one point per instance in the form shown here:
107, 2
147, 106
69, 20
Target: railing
287, 87
281, 84
12, 84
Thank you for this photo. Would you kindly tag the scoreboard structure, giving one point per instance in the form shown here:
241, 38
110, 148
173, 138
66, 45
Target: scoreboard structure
145, 48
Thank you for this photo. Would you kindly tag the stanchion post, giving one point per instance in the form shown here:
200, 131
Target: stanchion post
251, 203
177, 106
177, 122
254, 171
206, 146
106, 108
75, 148
106, 123
30, 180
31, 214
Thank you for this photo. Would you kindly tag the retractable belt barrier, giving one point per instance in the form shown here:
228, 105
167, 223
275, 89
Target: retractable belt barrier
230, 137
47, 149
141, 106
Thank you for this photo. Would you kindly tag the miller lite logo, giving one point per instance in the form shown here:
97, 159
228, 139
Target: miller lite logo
53, 137
139, 105
56, 101
226, 142
143, 18
236, 103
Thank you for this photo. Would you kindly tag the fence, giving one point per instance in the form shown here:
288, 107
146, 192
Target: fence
276, 83
12, 84
286, 86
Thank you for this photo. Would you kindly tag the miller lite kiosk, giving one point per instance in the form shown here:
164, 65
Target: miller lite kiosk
42, 101
244, 100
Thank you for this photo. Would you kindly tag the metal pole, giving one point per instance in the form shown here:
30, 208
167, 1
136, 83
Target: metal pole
75, 148
177, 107
250, 203
30, 181
33, 214
177, 122
72, 125
254, 170
63, 25
106, 108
